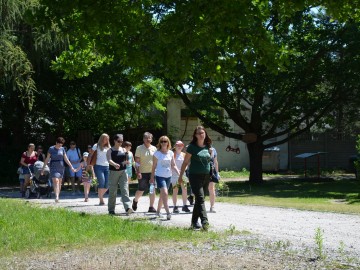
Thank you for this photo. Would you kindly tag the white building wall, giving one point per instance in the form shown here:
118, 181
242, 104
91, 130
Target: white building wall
183, 128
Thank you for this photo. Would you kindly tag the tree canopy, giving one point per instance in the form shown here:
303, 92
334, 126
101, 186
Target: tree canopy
277, 68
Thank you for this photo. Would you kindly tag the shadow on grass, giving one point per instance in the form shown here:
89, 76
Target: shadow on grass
328, 188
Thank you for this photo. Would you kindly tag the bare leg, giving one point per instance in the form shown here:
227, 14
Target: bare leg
138, 194
86, 190
164, 198
101, 194
57, 188
26, 181
160, 204
152, 199
212, 194
174, 195
77, 179
183, 194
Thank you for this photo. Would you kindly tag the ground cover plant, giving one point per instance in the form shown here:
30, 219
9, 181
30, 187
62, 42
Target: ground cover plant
25, 227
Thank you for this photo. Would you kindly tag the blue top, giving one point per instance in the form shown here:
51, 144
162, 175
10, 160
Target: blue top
57, 155
74, 156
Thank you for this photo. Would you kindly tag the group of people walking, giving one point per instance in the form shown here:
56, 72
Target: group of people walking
155, 166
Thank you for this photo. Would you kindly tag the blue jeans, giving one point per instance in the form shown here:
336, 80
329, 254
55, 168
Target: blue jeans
102, 175
162, 182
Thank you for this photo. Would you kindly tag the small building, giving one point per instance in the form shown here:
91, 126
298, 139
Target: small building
232, 154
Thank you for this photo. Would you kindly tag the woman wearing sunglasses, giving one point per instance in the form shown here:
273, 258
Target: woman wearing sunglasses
117, 157
163, 164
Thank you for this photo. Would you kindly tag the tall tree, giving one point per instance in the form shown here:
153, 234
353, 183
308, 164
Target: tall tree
272, 66
17, 86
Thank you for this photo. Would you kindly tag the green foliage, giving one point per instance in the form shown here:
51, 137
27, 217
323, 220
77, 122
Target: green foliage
275, 68
79, 63
222, 188
16, 74
16, 70
319, 240
357, 162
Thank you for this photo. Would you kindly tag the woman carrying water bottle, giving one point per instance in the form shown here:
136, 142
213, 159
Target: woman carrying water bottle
163, 163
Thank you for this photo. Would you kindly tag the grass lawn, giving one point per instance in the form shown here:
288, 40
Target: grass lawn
25, 227
334, 192
341, 195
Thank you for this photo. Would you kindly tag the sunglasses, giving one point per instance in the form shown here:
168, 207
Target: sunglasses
164, 142
119, 141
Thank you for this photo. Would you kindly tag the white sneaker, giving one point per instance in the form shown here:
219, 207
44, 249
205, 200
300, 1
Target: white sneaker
129, 211
168, 216
159, 215
212, 210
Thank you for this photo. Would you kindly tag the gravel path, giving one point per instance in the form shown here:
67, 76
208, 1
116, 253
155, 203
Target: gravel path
297, 228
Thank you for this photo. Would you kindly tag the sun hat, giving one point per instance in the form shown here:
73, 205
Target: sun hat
85, 154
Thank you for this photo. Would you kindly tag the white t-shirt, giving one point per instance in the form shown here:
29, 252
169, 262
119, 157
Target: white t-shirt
101, 158
163, 167
179, 160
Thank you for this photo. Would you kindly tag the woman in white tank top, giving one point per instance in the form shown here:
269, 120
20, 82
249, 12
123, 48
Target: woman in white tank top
179, 159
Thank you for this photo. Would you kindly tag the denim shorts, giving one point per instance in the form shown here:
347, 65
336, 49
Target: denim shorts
102, 175
163, 182
26, 170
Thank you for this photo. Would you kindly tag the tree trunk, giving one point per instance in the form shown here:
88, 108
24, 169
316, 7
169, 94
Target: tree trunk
255, 154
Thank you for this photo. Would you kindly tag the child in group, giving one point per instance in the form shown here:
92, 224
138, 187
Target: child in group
87, 175
129, 166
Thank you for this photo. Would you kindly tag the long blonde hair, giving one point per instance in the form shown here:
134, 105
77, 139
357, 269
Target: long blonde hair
101, 141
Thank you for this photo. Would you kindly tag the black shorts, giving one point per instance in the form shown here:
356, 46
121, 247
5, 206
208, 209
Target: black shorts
144, 182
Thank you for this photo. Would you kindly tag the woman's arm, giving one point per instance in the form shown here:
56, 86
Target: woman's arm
111, 162
80, 167
22, 162
184, 165
68, 162
173, 165
152, 178
216, 164
137, 167
45, 163
133, 159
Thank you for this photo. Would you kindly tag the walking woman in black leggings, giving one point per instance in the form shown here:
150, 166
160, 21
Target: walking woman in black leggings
198, 155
